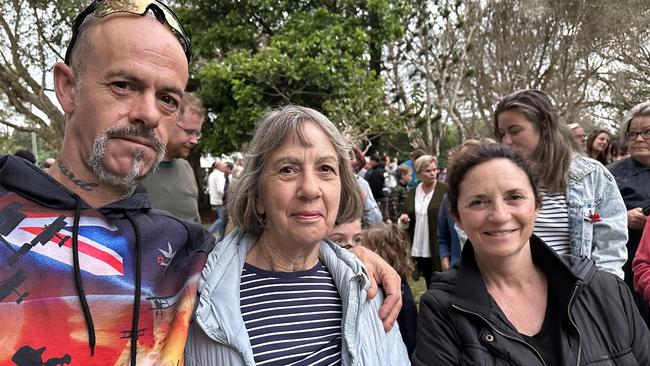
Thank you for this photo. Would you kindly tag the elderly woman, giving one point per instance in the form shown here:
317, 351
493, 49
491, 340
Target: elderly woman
582, 211
633, 179
513, 300
421, 216
598, 146
273, 292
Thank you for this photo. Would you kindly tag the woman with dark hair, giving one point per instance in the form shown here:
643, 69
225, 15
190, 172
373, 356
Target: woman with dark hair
513, 300
582, 212
618, 150
598, 146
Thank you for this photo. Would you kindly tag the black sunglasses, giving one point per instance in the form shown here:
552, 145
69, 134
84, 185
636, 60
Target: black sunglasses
102, 8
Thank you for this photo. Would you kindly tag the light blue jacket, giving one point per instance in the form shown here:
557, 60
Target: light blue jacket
218, 335
592, 189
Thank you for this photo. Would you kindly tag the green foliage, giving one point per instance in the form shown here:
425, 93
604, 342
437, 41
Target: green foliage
256, 55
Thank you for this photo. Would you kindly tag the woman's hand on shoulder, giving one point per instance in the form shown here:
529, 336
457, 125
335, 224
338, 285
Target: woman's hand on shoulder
381, 272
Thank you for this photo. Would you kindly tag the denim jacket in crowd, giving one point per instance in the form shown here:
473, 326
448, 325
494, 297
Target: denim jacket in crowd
597, 215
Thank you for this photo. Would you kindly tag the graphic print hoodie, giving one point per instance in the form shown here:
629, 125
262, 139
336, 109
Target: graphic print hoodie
84, 286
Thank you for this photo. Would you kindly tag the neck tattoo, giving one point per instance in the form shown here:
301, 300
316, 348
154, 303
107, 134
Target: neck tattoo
83, 185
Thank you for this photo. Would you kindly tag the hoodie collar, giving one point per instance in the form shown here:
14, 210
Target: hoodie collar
48, 192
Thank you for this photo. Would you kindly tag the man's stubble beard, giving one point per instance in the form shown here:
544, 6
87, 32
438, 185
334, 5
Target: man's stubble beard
126, 184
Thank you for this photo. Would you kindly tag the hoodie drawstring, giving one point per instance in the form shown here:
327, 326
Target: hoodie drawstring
77, 275
138, 288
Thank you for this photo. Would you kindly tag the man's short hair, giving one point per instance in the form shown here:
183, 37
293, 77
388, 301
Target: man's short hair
415, 154
191, 102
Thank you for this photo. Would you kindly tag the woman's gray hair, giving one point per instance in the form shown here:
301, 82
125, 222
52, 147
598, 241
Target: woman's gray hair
268, 136
640, 110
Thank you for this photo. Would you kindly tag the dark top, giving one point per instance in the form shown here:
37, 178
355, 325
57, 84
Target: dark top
460, 324
633, 180
407, 318
375, 178
547, 340
396, 201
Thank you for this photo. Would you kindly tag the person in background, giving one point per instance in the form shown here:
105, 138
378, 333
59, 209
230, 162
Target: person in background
346, 235
371, 213
598, 146
442, 174
26, 154
632, 177
618, 149
641, 263
376, 177
48, 163
217, 185
391, 244
398, 195
513, 300
415, 154
582, 211
172, 186
274, 292
420, 217
579, 136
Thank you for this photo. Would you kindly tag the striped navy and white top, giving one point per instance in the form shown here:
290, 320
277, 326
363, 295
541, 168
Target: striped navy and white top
292, 318
552, 224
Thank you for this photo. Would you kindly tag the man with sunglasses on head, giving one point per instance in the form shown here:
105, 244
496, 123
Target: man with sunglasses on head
90, 274
172, 187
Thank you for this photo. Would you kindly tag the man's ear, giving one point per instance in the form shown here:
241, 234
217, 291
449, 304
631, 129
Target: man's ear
64, 86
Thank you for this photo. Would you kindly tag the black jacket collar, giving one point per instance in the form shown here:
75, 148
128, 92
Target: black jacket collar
467, 287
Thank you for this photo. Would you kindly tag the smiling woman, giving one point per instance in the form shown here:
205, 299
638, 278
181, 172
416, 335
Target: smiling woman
273, 291
575, 189
513, 300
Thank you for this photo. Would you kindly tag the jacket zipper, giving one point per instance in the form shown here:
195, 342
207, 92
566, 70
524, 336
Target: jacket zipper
573, 295
500, 332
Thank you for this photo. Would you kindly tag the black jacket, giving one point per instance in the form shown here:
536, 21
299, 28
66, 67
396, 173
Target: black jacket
460, 324
375, 178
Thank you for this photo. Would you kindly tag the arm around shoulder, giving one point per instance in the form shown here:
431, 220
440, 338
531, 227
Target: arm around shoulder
639, 334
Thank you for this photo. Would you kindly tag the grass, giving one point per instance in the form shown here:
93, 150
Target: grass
418, 287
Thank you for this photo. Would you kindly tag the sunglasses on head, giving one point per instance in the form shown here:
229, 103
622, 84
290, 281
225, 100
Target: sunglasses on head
102, 8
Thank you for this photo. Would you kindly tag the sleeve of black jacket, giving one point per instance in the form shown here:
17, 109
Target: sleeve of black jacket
638, 329
436, 342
